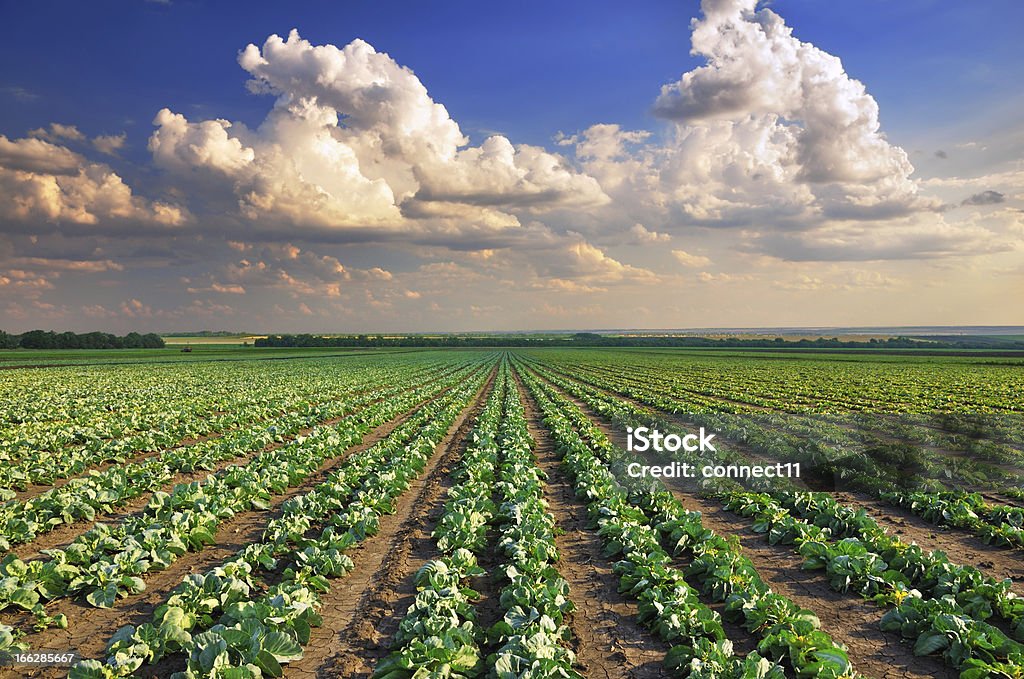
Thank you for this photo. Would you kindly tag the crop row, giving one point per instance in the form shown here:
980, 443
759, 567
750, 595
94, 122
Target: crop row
639, 521
254, 613
37, 463
867, 560
109, 562
100, 406
499, 488
439, 632
99, 492
906, 439
534, 597
997, 524
940, 605
845, 433
818, 385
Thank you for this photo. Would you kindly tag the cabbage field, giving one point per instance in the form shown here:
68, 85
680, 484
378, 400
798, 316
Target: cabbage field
471, 513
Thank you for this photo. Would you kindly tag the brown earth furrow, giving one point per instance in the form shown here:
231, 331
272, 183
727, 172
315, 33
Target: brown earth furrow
364, 608
608, 641
91, 628
846, 617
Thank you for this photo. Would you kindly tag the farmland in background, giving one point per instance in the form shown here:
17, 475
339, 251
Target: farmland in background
389, 513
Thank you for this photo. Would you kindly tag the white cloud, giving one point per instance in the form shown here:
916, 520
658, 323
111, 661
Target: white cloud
37, 155
355, 140
640, 234
58, 132
757, 69
181, 145
690, 260
770, 133
44, 181
109, 144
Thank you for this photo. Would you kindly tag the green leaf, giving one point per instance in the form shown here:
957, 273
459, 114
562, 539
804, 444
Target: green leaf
268, 664
930, 642
104, 597
282, 647
87, 669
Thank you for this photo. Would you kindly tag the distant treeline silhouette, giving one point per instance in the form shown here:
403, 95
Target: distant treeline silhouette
588, 339
48, 339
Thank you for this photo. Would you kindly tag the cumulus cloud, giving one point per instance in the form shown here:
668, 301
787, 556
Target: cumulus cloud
757, 69
57, 132
37, 155
109, 144
690, 260
24, 283
44, 181
640, 234
355, 140
770, 133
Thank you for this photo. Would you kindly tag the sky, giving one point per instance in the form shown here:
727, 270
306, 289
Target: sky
399, 166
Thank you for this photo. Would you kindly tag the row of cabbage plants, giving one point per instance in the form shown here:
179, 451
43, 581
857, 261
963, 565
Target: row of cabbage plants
941, 606
440, 634
100, 492
820, 447
182, 421
106, 562
867, 560
254, 613
638, 522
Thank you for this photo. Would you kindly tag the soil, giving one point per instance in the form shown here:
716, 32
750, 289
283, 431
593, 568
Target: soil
846, 617
91, 628
608, 641
363, 610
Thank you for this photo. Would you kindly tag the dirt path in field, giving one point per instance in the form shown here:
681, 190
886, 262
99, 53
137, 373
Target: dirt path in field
363, 610
66, 533
91, 628
960, 546
846, 617
608, 641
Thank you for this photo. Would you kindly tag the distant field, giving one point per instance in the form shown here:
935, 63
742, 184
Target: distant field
232, 340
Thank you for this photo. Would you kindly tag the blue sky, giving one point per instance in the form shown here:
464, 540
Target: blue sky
527, 69
944, 77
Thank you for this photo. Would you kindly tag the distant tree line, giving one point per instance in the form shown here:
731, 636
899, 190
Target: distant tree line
587, 339
48, 339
